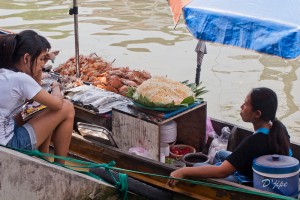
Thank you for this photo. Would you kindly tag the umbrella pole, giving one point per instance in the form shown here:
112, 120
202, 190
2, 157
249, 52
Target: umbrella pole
200, 50
74, 11
200, 56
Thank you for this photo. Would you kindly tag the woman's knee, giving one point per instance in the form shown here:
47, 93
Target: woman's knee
221, 156
68, 109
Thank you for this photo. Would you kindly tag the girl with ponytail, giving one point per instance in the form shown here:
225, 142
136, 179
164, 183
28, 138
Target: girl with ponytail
264, 101
22, 57
270, 137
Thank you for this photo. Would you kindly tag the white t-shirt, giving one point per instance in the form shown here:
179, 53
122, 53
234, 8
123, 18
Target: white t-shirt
15, 88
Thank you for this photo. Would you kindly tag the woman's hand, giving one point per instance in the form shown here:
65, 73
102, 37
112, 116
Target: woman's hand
179, 173
51, 56
55, 84
19, 119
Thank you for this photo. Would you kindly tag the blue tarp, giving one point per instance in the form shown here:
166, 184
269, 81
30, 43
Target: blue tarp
266, 26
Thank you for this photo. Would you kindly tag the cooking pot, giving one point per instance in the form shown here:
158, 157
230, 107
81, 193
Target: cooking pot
192, 158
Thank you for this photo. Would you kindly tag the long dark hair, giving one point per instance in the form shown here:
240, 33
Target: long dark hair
265, 100
14, 46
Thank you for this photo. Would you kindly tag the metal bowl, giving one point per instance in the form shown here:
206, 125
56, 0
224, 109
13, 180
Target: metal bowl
96, 133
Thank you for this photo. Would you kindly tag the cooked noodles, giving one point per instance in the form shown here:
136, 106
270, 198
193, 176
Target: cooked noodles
162, 90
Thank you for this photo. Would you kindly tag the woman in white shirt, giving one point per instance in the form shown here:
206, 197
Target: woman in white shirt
22, 57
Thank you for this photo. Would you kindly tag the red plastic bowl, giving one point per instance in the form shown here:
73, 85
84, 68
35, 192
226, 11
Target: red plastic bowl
179, 150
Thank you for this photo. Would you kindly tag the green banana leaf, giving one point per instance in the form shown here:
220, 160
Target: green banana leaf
197, 89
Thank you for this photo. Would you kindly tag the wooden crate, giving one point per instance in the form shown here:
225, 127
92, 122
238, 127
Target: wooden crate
132, 128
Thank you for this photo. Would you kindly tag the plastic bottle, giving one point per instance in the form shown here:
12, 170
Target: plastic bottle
219, 143
225, 133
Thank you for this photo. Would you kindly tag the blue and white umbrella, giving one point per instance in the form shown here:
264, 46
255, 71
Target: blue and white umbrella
266, 26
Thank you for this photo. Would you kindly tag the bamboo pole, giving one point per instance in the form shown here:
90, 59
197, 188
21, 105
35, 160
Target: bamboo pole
74, 11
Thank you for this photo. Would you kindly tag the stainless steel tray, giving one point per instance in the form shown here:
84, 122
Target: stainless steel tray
97, 133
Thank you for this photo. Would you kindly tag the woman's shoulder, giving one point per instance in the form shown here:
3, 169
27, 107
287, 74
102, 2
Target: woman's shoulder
12, 73
21, 76
20, 79
255, 138
258, 135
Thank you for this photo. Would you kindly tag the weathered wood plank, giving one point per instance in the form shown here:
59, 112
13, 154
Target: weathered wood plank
25, 177
191, 127
131, 132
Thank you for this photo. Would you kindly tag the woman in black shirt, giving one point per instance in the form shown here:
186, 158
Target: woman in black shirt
270, 137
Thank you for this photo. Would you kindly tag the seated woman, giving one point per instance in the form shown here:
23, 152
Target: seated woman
270, 137
22, 57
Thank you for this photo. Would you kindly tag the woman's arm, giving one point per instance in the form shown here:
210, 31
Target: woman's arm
209, 171
53, 101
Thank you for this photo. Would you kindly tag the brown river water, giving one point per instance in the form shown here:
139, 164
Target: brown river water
140, 34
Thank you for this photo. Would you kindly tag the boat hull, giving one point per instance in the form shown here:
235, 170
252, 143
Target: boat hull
25, 177
101, 153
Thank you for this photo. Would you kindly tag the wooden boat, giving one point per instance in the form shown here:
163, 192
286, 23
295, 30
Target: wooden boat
26, 177
155, 173
210, 189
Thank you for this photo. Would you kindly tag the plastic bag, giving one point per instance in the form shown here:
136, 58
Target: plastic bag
225, 134
140, 151
210, 132
219, 143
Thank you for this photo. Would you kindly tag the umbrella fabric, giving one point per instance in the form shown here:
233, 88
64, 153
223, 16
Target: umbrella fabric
270, 27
